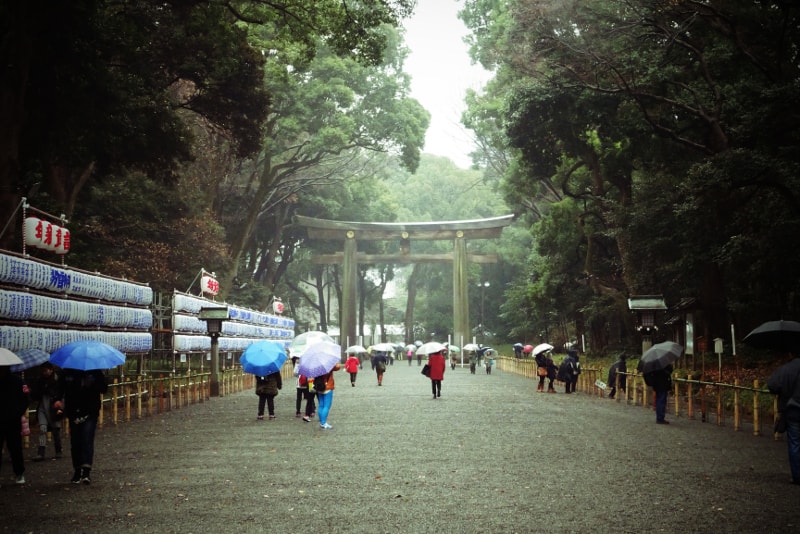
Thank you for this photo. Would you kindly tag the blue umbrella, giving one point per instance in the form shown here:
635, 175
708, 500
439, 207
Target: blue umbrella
319, 359
30, 358
87, 355
263, 358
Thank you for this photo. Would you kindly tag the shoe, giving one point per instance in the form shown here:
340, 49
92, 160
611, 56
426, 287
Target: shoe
298, 414
271, 417
21, 479
662, 422
260, 417
86, 480
353, 384
307, 419
76, 478
434, 397
313, 414
326, 426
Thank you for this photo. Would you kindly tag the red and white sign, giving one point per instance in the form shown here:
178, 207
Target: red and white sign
277, 306
209, 284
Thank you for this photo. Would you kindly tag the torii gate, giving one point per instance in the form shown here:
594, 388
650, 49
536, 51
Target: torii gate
351, 232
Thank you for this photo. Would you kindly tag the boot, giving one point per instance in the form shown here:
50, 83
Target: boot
39, 454
540, 387
85, 479
551, 389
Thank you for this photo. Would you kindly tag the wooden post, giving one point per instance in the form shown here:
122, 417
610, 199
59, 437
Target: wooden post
114, 402
719, 405
756, 421
349, 284
460, 294
677, 398
736, 404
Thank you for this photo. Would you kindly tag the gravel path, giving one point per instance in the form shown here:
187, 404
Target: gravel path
491, 455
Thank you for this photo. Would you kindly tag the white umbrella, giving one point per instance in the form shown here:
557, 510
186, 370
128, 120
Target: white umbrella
301, 343
355, 349
471, 347
383, 347
538, 349
8, 358
431, 347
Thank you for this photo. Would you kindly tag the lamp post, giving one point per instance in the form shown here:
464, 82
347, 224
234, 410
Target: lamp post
213, 318
483, 286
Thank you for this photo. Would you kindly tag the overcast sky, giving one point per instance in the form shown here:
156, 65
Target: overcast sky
441, 73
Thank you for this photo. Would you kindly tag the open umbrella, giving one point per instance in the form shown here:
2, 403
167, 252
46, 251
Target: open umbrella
383, 347
300, 343
485, 350
263, 358
453, 348
542, 347
319, 359
355, 349
782, 336
411, 347
8, 358
30, 358
527, 349
659, 356
87, 355
470, 347
432, 347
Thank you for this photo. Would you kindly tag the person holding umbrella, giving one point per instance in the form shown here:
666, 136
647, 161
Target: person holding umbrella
267, 389
656, 368
320, 361
437, 364
82, 397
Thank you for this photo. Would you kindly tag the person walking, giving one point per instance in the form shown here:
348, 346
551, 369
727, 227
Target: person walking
13, 405
267, 389
82, 398
489, 363
616, 375
307, 394
379, 364
436, 361
785, 382
324, 386
661, 382
409, 356
49, 394
351, 366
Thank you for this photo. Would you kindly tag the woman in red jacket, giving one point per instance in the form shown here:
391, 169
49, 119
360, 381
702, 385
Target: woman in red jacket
437, 364
351, 366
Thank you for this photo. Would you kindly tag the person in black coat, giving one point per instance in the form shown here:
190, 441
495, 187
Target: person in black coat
13, 405
617, 372
661, 382
82, 398
569, 370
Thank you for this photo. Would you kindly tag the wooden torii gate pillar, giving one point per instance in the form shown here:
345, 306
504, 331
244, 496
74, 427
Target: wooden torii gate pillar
351, 232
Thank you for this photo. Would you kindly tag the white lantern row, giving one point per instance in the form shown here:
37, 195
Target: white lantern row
182, 302
20, 306
16, 338
33, 274
190, 323
189, 343
45, 235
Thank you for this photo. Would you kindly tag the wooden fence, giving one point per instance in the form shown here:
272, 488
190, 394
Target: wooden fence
742, 407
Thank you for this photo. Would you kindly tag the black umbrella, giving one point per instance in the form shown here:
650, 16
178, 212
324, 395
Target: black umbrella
659, 356
776, 335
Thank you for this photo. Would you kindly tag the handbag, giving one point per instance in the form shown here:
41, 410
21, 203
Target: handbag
541, 371
426, 370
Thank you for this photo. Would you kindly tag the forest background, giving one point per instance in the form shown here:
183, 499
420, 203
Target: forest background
646, 148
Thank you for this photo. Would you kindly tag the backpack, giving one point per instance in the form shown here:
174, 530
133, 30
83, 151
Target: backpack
302, 381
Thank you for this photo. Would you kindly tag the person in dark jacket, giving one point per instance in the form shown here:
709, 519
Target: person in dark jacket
13, 405
785, 382
49, 394
661, 382
617, 372
569, 370
267, 389
82, 398
379, 362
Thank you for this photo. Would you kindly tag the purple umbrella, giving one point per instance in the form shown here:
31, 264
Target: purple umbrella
319, 358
